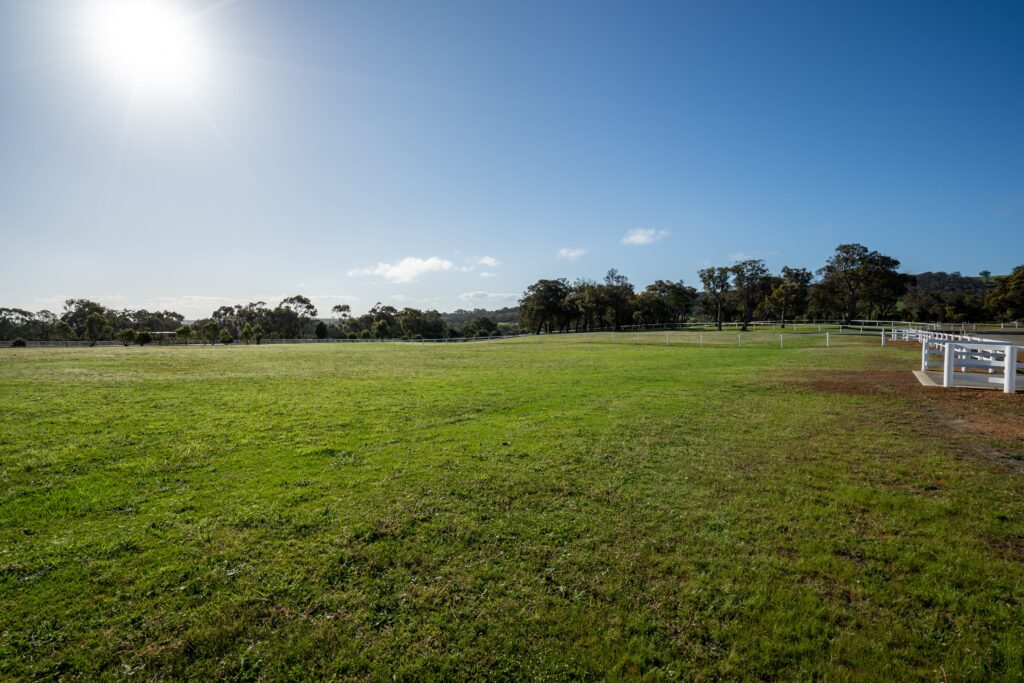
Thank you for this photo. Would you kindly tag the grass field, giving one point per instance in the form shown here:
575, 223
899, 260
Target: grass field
552, 510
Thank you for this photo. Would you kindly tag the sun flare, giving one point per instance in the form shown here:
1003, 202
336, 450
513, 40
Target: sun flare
148, 46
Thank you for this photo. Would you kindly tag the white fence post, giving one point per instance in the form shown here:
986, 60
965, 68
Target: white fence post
1010, 370
924, 354
780, 342
883, 337
826, 340
739, 341
948, 364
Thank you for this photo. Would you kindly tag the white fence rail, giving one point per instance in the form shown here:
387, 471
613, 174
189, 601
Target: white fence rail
966, 360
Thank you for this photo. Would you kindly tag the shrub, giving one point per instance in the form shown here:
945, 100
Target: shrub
143, 338
225, 337
19, 343
126, 336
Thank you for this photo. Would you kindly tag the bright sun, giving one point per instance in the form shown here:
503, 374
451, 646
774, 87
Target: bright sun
149, 46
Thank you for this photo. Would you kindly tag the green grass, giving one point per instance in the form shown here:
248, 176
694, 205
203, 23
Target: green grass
555, 509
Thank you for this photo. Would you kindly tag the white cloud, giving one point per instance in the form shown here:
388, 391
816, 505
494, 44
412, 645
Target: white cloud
642, 236
486, 274
488, 261
571, 254
406, 270
487, 296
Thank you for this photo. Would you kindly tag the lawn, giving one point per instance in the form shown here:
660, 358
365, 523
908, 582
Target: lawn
574, 508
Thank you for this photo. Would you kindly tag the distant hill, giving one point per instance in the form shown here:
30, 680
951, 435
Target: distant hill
462, 316
951, 282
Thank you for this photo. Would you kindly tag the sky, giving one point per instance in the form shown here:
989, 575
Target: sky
448, 154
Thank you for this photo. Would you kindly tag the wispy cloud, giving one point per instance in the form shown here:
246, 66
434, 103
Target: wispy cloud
487, 296
488, 261
406, 270
486, 274
642, 236
571, 253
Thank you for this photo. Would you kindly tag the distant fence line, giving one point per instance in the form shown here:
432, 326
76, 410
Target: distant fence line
755, 328
705, 335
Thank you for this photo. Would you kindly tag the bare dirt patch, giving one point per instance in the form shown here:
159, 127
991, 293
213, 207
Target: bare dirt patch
953, 413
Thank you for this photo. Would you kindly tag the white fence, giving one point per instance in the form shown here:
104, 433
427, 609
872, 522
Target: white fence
966, 360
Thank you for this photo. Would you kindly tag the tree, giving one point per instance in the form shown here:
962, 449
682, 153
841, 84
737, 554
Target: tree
144, 337
321, 330
47, 324
95, 327
210, 331
855, 271
665, 301
585, 303
126, 336
14, 322
749, 279
1006, 301
342, 312
716, 285
257, 334
789, 292
543, 305
77, 312
293, 316
479, 327
246, 334
225, 337
183, 333
618, 298
63, 331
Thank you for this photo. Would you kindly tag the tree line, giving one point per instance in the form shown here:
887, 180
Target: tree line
295, 317
854, 283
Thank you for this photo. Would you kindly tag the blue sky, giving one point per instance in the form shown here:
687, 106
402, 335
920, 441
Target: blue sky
447, 154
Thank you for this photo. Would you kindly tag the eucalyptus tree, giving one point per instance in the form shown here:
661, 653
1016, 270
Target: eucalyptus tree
342, 312
716, 283
857, 273
619, 298
543, 305
749, 280
665, 301
77, 312
95, 327
788, 296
